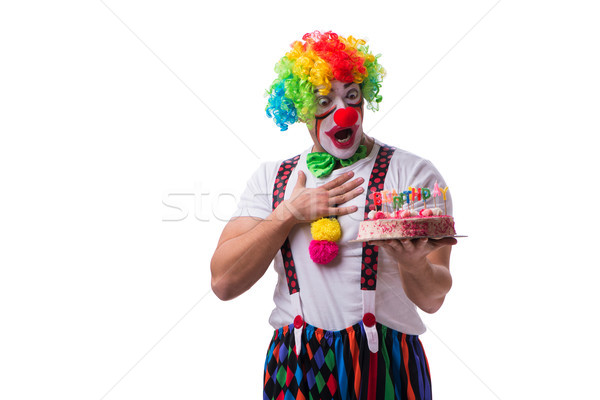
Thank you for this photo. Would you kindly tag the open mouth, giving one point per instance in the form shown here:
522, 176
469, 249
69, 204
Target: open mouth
344, 135
342, 138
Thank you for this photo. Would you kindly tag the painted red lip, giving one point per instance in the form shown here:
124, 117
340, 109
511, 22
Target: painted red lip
339, 130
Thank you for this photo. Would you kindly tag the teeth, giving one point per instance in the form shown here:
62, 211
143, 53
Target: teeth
345, 140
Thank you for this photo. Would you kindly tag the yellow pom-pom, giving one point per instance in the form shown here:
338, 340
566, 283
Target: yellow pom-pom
326, 229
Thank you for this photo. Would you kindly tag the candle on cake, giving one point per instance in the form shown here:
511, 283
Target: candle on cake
425, 193
377, 199
444, 196
436, 193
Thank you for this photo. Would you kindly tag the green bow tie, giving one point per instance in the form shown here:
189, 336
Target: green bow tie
321, 164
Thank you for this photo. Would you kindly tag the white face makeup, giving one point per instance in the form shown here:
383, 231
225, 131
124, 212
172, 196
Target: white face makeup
338, 119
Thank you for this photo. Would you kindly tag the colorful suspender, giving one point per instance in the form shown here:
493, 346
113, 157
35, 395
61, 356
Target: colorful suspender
368, 279
285, 170
370, 253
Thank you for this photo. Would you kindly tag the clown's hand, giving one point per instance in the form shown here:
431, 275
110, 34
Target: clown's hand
309, 204
411, 253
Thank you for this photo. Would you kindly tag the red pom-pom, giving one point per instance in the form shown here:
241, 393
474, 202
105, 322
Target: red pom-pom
322, 251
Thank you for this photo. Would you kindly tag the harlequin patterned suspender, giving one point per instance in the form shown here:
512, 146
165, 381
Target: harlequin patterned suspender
368, 278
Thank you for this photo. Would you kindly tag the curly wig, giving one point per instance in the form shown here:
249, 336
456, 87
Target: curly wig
314, 63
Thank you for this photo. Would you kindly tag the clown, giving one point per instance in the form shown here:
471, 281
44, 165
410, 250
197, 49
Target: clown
323, 83
338, 334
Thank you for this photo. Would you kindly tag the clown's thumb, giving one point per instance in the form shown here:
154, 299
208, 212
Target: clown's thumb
301, 183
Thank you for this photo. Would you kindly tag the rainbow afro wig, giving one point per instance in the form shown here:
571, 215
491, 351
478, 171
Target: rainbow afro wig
314, 63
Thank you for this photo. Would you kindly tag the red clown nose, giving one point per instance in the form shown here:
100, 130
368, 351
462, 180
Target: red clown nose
345, 117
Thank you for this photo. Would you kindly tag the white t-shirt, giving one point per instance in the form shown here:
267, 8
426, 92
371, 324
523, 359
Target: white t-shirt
331, 294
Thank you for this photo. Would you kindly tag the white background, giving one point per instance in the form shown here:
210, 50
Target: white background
121, 122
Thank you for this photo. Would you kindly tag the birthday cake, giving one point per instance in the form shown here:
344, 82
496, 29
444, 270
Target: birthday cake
389, 226
389, 219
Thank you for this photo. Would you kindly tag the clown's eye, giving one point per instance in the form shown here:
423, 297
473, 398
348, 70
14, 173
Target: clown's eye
323, 101
353, 94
